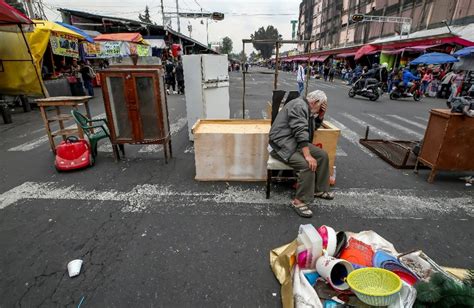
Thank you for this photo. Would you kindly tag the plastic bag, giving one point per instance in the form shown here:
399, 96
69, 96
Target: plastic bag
304, 294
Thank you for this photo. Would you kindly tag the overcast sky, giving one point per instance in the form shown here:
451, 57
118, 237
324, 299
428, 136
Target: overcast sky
241, 16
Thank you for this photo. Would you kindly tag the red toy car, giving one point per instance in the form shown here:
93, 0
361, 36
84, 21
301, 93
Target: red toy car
73, 153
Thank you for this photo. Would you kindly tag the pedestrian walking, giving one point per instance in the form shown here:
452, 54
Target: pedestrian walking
180, 77
170, 77
332, 71
426, 80
300, 77
326, 72
88, 75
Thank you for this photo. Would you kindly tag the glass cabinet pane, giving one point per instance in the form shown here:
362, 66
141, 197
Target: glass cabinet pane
145, 88
118, 105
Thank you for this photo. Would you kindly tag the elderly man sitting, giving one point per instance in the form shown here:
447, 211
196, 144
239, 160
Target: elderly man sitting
291, 138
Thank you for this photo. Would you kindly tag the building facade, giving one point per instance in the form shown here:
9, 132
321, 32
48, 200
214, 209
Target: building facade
328, 23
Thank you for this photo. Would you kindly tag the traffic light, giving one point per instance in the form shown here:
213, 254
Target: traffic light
358, 17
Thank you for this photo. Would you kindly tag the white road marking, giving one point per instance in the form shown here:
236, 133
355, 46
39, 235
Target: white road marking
358, 202
422, 126
189, 149
365, 124
174, 128
340, 152
397, 126
422, 119
349, 135
30, 145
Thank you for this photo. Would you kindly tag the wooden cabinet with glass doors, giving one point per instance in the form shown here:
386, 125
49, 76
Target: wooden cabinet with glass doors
136, 107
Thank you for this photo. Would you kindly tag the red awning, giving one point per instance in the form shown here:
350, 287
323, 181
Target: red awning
10, 15
365, 50
319, 58
126, 37
345, 55
419, 48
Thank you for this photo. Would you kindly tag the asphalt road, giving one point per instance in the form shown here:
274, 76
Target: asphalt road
151, 236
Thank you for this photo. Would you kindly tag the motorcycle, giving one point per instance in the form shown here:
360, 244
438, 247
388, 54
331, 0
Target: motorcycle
372, 91
399, 91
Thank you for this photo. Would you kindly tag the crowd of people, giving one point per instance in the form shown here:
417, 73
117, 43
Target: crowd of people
435, 81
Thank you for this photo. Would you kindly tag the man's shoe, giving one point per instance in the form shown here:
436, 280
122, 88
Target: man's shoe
409, 95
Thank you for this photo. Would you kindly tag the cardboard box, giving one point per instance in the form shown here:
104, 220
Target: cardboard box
231, 150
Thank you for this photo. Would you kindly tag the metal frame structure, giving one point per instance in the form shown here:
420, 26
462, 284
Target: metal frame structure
277, 44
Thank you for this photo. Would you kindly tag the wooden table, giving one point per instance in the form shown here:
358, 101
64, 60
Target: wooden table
57, 102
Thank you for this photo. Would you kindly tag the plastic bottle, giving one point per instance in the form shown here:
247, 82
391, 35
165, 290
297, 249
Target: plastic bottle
332, 178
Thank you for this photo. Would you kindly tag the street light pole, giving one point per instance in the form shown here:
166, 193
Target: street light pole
177, 13
163, 13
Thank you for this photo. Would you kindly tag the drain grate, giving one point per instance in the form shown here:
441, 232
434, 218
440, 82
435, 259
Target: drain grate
395, 152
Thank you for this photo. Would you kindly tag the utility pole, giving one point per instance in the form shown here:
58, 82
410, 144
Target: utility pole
177, 13
163, 13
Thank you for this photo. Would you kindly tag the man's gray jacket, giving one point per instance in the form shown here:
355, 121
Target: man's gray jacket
293, 128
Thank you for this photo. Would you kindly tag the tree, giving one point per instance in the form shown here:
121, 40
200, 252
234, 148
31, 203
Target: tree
145, 17
226, 45
270, 33
242, 56
253, 56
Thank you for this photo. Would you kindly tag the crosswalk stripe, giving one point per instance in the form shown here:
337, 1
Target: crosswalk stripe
365, 124
30, 145
423, 126
367, 203
422, 119
397, 126
349, 135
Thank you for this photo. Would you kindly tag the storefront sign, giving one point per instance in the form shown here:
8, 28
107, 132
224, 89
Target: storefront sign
64, 45
112, 49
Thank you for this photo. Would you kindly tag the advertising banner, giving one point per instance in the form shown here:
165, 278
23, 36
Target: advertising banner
64, 45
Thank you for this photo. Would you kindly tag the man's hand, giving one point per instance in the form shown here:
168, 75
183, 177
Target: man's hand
313, 164
322, 111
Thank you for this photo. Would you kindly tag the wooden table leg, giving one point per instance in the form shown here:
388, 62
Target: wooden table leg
116, 152
432, 175
61, 124
48, 129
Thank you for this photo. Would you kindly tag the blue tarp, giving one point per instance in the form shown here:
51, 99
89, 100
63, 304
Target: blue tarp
434, 58
464, 52
76, 29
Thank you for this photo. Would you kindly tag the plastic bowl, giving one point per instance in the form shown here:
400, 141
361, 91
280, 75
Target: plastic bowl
375, 286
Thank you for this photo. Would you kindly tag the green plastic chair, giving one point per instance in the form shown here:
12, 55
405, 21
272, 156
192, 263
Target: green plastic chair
94, 132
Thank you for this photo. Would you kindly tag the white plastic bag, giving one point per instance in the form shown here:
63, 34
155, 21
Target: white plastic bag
304, 294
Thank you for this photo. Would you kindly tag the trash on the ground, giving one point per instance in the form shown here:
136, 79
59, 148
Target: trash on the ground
74, 267
365, 270
375, 286
334, 271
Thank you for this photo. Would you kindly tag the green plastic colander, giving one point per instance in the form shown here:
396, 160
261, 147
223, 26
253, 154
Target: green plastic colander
375, 286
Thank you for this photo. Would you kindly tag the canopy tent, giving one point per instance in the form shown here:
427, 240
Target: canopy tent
319, 58
345, 55
464, 52
19, 75
86, 36
434, 58
124, 37
366, 50
18, 72
11, 16
420, 48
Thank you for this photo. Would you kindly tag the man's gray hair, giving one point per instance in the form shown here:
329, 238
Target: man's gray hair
318, 96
